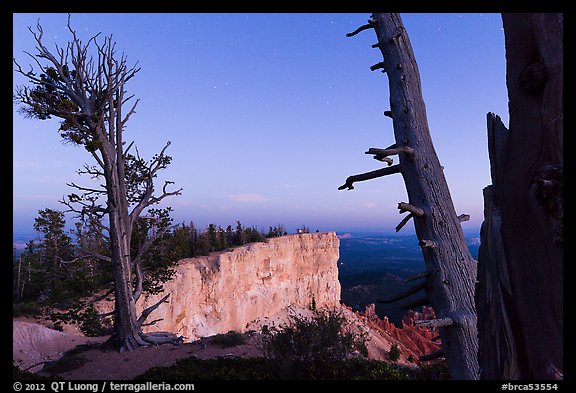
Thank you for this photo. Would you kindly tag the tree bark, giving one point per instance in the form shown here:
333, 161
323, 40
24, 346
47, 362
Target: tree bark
521, 270
452, 270
497, 351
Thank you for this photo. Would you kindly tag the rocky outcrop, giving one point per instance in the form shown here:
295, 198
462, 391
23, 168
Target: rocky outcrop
227, 290
34, 344
412, 341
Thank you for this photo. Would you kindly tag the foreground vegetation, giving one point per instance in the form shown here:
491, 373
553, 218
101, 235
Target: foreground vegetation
194, 369
323, 346
263, 369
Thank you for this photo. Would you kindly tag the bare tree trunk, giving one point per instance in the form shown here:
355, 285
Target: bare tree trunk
522, 261
19, 286
126, 329
451, 269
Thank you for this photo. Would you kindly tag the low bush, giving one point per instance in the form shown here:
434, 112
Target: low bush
307, 348
212, 369
262, 369
230, 339
64, 364
26, 309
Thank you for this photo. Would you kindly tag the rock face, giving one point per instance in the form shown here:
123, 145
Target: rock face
411, 340
227, 290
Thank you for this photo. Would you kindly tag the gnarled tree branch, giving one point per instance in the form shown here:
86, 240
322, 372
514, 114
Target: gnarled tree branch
149, 310
368, 176
369, 25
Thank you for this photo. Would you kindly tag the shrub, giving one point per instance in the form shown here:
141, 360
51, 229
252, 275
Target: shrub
92, 325
230, 339
88, 319
237, 368
309, 348
193, 368
64, 364
394, 353
435, 371
26, 309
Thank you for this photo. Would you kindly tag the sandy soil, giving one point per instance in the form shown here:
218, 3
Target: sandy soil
35, 343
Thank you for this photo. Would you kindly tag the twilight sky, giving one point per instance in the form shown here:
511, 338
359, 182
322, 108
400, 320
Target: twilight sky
269, 113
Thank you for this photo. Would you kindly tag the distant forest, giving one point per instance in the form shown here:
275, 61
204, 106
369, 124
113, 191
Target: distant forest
67, 265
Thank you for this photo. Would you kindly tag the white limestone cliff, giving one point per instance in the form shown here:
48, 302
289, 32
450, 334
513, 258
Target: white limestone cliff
228, 290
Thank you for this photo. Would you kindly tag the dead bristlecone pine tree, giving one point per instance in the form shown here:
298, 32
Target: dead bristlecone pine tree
449, 280
84, 85
520, 261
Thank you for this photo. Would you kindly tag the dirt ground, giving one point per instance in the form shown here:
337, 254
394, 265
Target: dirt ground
35, 344
114, 365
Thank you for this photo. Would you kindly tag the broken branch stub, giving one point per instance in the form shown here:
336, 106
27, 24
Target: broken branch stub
432, 356
378, 66
360, 29
390, 151
428, 243
406, 207
463, 217
368, 176
434, 323
385, 159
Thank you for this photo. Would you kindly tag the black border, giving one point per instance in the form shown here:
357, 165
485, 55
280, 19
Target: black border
172, 6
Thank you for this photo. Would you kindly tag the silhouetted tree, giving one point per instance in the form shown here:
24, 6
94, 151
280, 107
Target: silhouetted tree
240, 235
520, 261
203, 244
229, 235
222, 239
88, 93
212, 238
193, 239
28, 274
276, 231
450, 276
180, 245
56, 245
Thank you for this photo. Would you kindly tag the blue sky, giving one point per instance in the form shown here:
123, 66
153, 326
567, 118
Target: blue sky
269, 113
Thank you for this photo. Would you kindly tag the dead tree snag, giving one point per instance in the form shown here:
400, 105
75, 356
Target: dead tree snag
451, 269
520, 270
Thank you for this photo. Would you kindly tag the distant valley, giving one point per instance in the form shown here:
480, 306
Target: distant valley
373, 266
